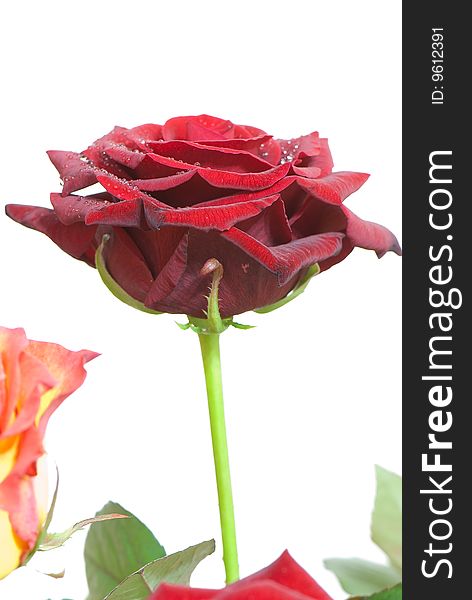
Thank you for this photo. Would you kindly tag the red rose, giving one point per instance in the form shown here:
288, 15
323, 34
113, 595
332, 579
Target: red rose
282, 580
199, 188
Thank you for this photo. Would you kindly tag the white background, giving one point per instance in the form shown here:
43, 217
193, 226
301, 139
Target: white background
313, 393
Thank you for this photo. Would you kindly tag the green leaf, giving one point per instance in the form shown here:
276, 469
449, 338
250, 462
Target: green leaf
112, 285
386, 529
297, 290
55, 540
175, 568
390, 594
358, 576
116, 549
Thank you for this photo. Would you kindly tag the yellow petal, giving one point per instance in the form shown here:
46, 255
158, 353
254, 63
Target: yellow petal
8, 453
11, 546
45, 401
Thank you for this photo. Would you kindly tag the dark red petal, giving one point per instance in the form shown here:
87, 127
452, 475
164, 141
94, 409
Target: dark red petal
244, 181
100, 160
126, 264
313, 163
75, 172
164, 183
290, 574
74, 209
317, 216
261, 590
129, 212
153, 167
271, 227
278, 187
287, 260
334, 188
119, 214
227, 179
334, 260
306, 171
177, 128
212, 217
194, 154
308, 144
324, 159
197, 132
170, 276
166, 591
123, 189
149, 132
370, 236
247, 131
157, 247
192, 192
262, 145
77, 239
247, 144
123, 155
246, 284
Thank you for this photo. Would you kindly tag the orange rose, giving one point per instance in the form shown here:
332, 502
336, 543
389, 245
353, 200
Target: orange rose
35, 377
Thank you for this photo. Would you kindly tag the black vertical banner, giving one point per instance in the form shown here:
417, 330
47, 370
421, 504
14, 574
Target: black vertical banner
437, 264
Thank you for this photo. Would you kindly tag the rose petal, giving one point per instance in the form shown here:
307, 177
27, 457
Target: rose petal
130, 159
166, 591
261, 590
186, 290
75, 172
170, 275
287, 259
164, 183
157, 247
142, 134
244, 181
74, 209
313, 162
127, 266
271, 227
195, 154
12, 344
317, 216
18, 499
213, 217
370, 236
177, 128
128, 213
290, 574
334, 188
309, 144
66, 367
262, 145
34, 380
77, 239
123, 189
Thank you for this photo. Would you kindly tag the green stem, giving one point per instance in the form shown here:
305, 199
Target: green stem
210, 346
